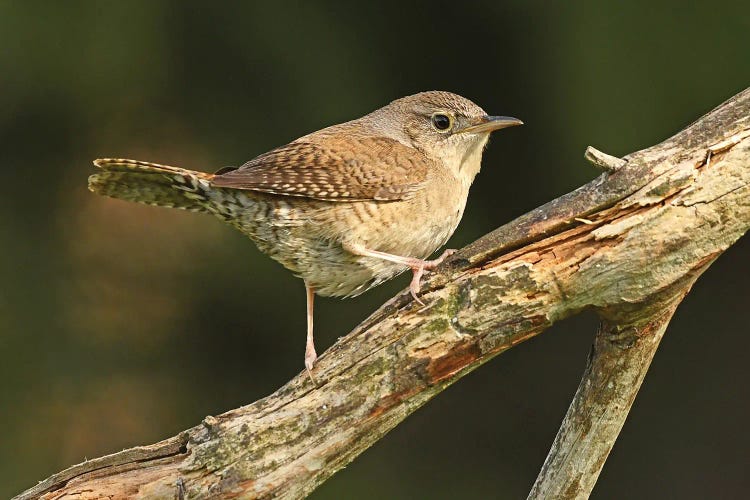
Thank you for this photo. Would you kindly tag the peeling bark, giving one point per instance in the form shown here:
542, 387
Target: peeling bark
628, 244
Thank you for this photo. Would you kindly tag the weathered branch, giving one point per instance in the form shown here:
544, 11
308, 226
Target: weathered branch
621, 355
628, 244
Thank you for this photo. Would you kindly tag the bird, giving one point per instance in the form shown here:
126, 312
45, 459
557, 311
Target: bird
344, 208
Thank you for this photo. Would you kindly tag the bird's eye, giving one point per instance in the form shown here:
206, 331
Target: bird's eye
442, 122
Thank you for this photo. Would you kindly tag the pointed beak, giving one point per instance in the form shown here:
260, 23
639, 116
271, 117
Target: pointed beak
487, 124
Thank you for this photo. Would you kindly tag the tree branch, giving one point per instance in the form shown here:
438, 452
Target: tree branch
628, 244
619, 359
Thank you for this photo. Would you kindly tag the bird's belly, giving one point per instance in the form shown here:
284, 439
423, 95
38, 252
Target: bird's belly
412, 228
393, 228
307, 237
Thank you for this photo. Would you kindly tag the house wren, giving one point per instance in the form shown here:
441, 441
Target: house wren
344, 208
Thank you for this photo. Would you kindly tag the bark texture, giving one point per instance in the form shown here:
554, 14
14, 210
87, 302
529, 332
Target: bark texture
628, 244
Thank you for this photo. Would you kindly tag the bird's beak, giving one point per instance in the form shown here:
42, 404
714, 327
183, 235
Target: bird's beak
487, 124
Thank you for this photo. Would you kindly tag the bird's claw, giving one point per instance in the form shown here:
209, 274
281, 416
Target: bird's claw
415, 284
418, 271
310, 357
436, 262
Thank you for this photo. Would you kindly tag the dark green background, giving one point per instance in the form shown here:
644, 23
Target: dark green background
122, 324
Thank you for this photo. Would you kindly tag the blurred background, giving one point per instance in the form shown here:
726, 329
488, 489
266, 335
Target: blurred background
122, 324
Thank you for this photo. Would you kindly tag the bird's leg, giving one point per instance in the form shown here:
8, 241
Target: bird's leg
310, 355
417, 266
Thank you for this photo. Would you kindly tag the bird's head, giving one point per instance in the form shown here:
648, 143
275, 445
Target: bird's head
443, 126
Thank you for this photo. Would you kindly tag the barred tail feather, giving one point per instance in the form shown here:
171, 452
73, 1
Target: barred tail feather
150, 183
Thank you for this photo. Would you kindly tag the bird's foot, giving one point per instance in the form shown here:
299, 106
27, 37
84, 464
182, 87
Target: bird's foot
310, 357
419, 267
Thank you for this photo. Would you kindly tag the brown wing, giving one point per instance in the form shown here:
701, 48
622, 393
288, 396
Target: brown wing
373, 168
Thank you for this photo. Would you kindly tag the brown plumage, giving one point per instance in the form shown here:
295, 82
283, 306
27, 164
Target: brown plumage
354, 168
344, 208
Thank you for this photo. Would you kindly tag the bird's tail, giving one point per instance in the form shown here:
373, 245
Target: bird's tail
151, 183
